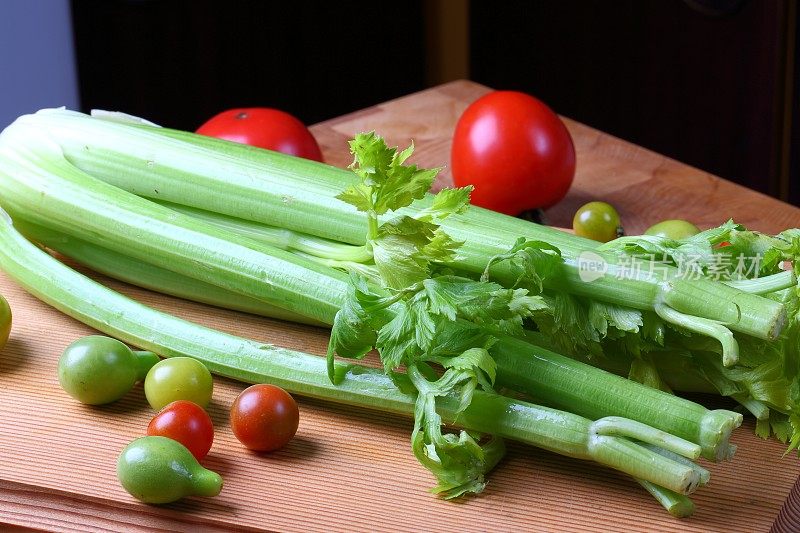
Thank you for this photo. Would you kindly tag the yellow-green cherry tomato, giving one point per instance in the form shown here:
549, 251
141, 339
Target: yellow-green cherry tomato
161, 470
673, 229
96, 370
178, 378
598, 221
5, 322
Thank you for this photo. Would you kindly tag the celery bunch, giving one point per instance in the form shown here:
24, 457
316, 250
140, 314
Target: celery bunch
429, 282
650, 326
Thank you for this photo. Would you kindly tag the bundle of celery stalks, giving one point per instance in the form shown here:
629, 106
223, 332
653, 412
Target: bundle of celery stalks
468, 309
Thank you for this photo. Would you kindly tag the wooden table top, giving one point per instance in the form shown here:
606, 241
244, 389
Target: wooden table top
351, 469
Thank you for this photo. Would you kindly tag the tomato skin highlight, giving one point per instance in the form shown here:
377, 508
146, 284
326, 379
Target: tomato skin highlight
187, 423
264, 417
515, 151
264, 127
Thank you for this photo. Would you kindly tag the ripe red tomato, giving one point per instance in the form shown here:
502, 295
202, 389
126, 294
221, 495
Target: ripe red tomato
187, 423
515, 151
264, 417
266, 128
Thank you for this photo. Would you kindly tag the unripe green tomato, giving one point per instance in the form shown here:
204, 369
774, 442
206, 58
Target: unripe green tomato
673, 229
178, 378
97, 369
162, 470
598, 221
5, 322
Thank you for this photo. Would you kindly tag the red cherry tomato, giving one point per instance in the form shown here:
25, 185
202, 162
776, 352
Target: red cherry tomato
515, 151
187, 423
266, 128
264, 417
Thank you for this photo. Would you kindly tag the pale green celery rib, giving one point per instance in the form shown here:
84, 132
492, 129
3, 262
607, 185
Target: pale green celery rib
730, 348
264, 183
766, 284
279, 237
300, 195
253, 362
564, 383
366, 270
703, 473
37, 182
142, 274
678, 505
757, 408
625, 427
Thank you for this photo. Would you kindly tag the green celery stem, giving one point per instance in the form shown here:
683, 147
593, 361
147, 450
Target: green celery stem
279, 237
678, 505
741, 311
142, 274
766, 284
703, 326
564, 383
94, 211
624, 427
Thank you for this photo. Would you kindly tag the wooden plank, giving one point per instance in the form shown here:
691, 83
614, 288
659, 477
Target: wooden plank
351, 469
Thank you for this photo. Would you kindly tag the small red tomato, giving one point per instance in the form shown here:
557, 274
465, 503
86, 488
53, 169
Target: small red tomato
187, 423
266, 128
264, 417
515, 151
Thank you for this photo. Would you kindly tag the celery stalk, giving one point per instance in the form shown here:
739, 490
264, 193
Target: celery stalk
553, 379
100, 213
142, 274
300, 195
121, 222
227, 355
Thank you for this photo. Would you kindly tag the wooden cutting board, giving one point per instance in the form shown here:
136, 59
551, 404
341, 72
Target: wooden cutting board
351, 469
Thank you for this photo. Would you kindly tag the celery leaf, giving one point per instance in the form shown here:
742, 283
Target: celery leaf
396, 341
531, 262
387, 182
404, 249
358, 195
458, 461
447, 202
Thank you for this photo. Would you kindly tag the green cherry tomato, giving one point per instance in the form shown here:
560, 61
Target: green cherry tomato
598, 221
673, 229
161, 470
5, 322
178, 378
97, 370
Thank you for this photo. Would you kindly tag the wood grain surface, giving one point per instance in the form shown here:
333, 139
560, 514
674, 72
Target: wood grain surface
351, 469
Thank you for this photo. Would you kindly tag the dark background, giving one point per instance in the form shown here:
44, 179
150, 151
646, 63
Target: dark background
709, 82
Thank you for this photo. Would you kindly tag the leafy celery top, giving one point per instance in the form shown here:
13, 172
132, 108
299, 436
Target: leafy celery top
424, 316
